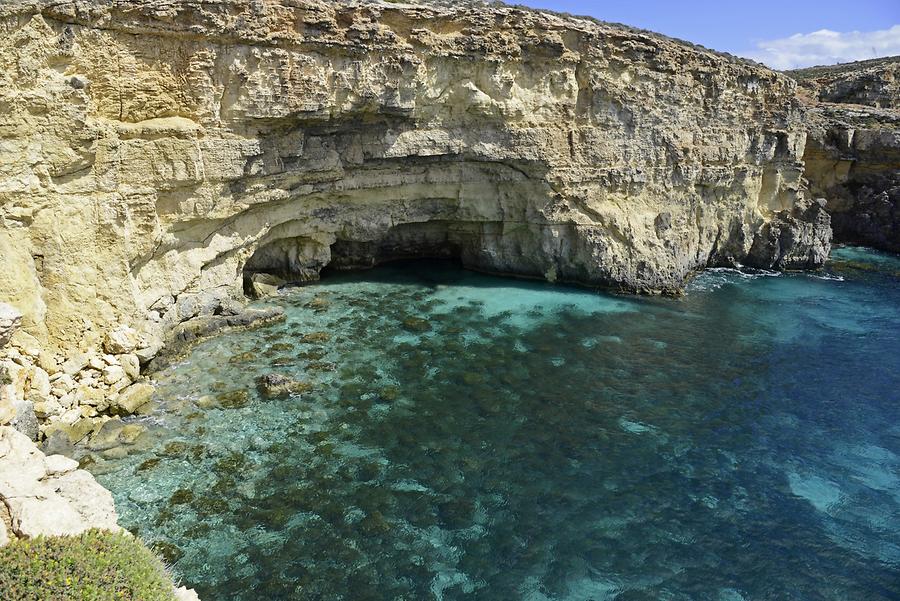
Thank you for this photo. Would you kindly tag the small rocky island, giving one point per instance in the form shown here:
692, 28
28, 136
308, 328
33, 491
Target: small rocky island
162, 160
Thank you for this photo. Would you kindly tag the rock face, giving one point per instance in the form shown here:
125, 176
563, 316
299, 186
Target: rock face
852, 153
10, 319
157, 153
48, 495
853, 160
874, 83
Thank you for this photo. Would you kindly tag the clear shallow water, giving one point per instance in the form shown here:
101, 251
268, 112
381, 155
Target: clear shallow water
469, 437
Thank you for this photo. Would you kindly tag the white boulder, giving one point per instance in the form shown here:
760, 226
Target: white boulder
122, 340
48, 495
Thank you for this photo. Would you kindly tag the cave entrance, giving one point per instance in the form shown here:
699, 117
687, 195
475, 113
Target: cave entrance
285, 260
455, 241
296, 260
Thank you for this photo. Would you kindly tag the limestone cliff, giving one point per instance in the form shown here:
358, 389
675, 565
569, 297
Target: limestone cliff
874, 83
151, 151
852, 155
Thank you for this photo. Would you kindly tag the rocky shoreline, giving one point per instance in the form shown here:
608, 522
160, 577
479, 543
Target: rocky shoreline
185, 147
160, 160
66, 401
360, 132
521, 143
47, 495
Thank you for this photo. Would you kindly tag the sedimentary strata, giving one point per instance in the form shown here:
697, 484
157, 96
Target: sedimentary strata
156, 154
874, 83
852, 154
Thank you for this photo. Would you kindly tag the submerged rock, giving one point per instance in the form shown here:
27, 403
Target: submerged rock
456, 513
416, 325
389, 394
242, 358
276, 385
148, 464
320, 366
318, 304
263, 285
234, 399
181, 497
115, 433
375, 524
133, 398
315, 338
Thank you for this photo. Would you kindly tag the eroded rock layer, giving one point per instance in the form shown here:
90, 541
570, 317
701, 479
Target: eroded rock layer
152, 152
874, 83
852, 154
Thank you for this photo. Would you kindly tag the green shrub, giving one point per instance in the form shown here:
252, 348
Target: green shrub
94, 566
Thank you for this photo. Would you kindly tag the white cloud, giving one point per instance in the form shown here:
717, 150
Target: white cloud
826, 47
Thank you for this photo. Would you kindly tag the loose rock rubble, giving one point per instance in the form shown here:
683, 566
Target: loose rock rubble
43, 393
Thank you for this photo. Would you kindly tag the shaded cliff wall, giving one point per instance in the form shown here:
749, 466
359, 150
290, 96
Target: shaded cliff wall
149, 150
852, 154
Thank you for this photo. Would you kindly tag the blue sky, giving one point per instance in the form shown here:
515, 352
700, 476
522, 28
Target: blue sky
782, 34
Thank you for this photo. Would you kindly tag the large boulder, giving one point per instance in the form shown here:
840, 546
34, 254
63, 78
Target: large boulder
133, 398
49, 496
264, 285
120, 341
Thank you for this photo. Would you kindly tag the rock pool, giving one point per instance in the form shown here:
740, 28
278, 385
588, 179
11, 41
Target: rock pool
452, 435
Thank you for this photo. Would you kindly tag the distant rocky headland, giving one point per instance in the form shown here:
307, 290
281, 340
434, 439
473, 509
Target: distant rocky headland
852, 154
161, 159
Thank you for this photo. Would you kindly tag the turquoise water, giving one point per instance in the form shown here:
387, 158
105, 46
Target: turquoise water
470, 437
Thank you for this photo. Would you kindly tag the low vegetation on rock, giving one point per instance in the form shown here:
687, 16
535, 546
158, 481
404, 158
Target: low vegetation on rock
94, 566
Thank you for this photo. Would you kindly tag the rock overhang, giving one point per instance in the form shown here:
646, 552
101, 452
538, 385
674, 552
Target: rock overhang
182, 141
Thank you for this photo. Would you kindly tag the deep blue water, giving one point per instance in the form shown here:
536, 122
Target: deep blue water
471, 437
